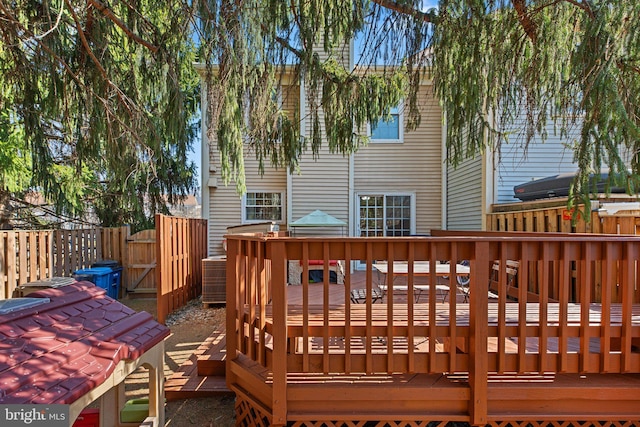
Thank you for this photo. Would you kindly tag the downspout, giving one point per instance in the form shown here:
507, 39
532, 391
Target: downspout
488, 176
351, 203
445, 174
204, 161
303, 130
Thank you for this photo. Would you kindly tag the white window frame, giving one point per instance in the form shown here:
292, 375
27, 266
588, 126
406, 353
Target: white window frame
283, 206
358, 264
384, 194
400, 112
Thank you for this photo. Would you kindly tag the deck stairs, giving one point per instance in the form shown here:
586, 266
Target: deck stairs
203, 374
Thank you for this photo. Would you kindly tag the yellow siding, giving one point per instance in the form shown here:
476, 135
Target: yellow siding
321, 184
340, 53
414, 166
225, 205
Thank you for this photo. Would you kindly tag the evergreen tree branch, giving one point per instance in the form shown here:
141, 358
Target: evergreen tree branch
85, 43
584, 5
284, 43
102, 8
75, 77
124, 100
406, 10
524, 18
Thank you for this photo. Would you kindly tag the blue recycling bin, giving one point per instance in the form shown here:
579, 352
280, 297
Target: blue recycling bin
102, 277
116, 273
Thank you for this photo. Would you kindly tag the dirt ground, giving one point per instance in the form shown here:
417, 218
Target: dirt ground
190, 326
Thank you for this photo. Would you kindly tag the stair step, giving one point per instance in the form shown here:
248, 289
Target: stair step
211, 364
212, 356
195, 387
188, 381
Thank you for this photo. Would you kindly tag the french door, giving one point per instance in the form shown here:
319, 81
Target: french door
385, 215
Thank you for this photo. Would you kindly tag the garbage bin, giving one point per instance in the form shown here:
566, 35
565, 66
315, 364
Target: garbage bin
116, 274
101, 277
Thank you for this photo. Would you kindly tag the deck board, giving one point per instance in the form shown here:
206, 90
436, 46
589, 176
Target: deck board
379, 313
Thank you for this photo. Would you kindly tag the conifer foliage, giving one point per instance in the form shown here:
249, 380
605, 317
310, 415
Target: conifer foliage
97, 105
98, 99
571, 63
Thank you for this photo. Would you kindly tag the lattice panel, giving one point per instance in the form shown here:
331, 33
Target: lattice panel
564, 424
247, 415
370, 424
529, 423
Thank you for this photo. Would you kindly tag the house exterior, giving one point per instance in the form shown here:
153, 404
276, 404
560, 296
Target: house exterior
398, 185
392, 187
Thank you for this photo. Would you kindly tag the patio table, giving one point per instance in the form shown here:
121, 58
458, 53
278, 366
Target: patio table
420, 268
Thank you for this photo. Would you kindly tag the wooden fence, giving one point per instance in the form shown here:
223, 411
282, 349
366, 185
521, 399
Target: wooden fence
175, 249
546, 216
27, 256
181, 246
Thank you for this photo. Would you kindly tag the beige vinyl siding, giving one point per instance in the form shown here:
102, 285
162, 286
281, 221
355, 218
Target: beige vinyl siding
225, 204
413, 166
340, 53
324, 185
464, 195
321, 183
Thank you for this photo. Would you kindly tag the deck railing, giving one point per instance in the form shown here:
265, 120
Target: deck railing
574, 325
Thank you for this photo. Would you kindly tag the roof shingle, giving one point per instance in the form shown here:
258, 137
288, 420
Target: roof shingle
58, 351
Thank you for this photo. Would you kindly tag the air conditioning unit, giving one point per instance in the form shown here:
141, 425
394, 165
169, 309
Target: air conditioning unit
214, 280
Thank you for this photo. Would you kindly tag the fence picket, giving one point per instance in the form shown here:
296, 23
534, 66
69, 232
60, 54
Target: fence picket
10, 265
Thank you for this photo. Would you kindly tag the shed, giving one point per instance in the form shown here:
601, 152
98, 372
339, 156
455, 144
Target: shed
73, 345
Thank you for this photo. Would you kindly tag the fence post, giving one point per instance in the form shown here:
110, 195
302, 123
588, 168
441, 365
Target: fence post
125, 233
161, 299
232, 312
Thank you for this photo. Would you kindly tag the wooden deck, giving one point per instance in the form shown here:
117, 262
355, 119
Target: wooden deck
566, 352
338, 399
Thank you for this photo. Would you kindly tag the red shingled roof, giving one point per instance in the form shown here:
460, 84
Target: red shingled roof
58, 351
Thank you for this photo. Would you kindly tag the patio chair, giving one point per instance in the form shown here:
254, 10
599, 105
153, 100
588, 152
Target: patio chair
359, 296
462, 282
512, 271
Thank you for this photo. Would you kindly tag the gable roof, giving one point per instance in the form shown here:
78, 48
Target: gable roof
56, 351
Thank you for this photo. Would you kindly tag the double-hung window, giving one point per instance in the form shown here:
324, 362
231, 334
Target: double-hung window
260, 206
389, 129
